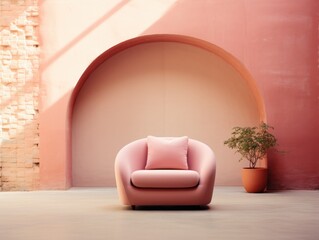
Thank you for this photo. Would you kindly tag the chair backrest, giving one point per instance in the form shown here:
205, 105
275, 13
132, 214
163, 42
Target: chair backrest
198, 154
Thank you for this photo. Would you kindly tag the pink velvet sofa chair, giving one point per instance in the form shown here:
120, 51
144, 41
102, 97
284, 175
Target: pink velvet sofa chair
147, 172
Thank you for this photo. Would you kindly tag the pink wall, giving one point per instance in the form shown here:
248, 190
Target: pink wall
162, 89
276, 40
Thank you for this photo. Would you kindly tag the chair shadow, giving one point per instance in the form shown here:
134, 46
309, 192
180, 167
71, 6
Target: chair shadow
170, 208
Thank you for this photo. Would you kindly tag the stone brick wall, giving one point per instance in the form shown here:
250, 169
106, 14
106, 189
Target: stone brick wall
19, 95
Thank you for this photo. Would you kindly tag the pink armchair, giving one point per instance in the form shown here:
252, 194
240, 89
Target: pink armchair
138, 185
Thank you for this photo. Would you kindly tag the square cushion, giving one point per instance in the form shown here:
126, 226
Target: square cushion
167, 153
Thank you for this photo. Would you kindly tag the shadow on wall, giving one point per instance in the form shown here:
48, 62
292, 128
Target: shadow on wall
10, 10
163, 89
278, 42
229, 30
19, 91
83, 34
55, 152
224, 27
19, 166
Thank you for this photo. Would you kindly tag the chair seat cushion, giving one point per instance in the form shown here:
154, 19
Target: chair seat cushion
165, 178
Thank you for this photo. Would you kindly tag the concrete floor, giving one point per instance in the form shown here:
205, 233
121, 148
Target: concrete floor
97, 214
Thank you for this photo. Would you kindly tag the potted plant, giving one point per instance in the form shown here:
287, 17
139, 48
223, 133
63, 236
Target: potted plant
252, 143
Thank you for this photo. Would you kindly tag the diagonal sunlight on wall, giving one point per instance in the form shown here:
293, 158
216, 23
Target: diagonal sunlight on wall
80, 30
83, 34
19, 91
123, 14
69, 44
106, 24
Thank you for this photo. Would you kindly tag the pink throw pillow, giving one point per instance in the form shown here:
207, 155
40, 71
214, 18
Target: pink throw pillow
167, 153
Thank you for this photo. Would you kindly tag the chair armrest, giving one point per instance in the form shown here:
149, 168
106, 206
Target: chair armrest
130, 158
201, 158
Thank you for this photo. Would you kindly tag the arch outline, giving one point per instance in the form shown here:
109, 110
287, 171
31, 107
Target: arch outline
210, 47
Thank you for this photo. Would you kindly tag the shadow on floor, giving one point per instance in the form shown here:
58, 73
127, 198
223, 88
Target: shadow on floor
170, 208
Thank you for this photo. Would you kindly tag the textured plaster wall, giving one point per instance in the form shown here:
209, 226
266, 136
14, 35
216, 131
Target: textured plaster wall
19, 95
161, 89
276, 40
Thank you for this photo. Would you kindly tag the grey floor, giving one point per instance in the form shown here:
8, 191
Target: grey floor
92, 213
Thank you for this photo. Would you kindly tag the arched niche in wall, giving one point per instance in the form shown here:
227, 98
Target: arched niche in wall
163, 85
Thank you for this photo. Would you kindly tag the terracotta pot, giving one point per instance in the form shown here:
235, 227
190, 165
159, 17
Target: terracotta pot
254, 179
